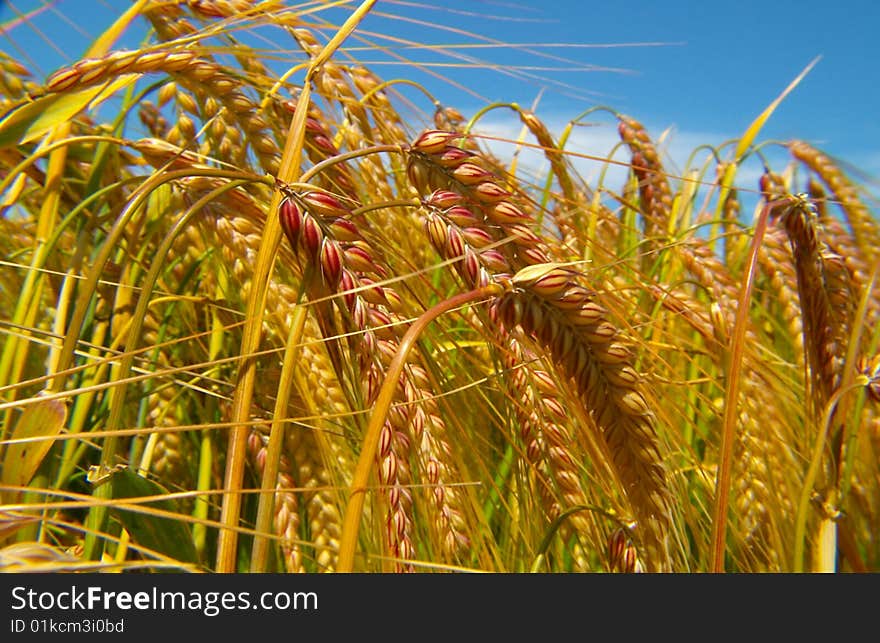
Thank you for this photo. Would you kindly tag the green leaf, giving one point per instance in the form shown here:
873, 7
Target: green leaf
167, 536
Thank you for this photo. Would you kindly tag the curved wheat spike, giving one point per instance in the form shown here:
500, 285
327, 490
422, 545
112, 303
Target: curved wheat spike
655, 194
863, 226
557, 312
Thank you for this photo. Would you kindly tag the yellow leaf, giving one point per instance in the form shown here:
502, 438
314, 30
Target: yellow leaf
31, 440
752, 132
31, 120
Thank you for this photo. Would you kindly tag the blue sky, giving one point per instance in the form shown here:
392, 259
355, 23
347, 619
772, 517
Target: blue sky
719, 65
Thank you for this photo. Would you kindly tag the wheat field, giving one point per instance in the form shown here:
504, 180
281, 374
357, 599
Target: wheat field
263, 309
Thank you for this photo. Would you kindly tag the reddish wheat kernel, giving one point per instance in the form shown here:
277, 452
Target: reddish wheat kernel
419, 378
324, 144
533, 317
566, 479
522, 235
544, 382
616, 544
495, 314
398, 525
511, 311
549, 332
562, 455
483, 278
613, 354
324, 204
388, 469
552, 283
344, 230
553, 406
471, 266
563, 343
471, 174
453, 157
454, 243
312, 236
346, 287
418, 420
61, 80
556, 434
433, 471
87, 76
477, 237
404, 445
529, 276
461, 216
588, 314
313, 125
385, 437
359, 259
434, 141
398, 415
374, 294
623, 376
418, 176
506, 212
599, 333
291, 221
630, 559
395, 303
367, 346
406, 550
631, 402
358, 313
489, 192
443, 199
534, 255
371, 385
494, 260
437, 231
206, 9
331, 263
381, 323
